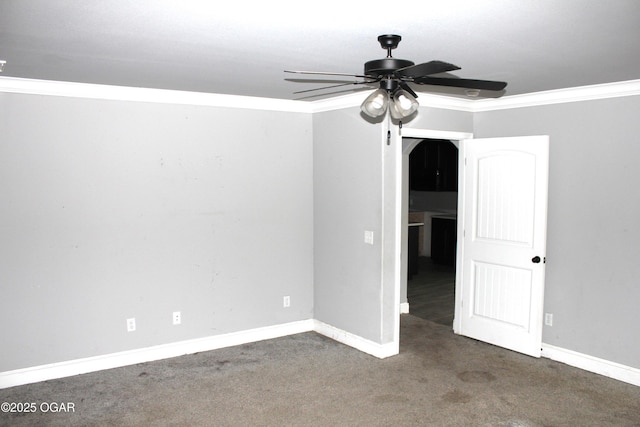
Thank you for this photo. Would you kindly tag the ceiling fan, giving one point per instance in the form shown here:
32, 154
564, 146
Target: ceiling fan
394, 75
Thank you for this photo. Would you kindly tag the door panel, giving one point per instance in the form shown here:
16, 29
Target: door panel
506, 198
494, 286
504, 210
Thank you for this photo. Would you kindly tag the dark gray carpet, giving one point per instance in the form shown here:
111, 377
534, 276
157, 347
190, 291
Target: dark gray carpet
439, 379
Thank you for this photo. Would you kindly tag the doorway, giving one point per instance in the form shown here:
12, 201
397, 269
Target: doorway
395, 220
432, 194
500, 179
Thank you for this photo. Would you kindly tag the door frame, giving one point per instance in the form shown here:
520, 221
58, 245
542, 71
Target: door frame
402, 207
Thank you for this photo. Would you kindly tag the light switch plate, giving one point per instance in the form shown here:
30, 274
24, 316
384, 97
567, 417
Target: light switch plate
368, 237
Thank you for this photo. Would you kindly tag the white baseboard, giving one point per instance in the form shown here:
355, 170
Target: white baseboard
404, 308
609, 369
115, 360
125, 358
378, 350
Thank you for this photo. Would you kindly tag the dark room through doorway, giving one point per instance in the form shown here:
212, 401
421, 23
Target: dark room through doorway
432, 220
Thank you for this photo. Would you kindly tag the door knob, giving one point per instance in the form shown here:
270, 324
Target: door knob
535, 259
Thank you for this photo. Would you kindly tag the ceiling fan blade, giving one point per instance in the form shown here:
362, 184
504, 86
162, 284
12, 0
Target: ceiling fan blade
406, 87
425, 69
465, 83
328, 73
323, 81
332, 86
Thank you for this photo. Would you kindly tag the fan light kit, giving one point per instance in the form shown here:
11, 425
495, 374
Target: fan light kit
394, 76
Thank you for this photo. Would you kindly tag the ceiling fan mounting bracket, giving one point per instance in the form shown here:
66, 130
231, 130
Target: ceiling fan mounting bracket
389, 41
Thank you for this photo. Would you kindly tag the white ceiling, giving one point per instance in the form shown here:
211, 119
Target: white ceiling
242, 47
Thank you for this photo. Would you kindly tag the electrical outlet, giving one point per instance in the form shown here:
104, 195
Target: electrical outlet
548, 319
177, 318
131, 324
286, 301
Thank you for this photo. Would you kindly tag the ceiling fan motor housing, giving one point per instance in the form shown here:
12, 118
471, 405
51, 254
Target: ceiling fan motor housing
390, 85
386, 66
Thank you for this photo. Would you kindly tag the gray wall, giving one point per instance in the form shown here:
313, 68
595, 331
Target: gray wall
592, 272
113, 210
347, 172
355, 190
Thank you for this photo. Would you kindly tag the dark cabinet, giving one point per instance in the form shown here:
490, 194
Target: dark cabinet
443, 240
413, 249
433, 166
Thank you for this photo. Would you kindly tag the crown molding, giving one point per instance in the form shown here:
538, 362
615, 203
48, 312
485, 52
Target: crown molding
560, 96
123, 93
339, 102
355, 99
138, 94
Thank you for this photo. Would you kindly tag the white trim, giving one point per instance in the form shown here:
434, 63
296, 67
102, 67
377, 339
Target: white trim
384, 134
338, 102
115, 360
131, 357
138, 94
574, 94
124, 93
446, 102
435, 134
378, 350
141, 94
397, 146
609, 369
454, 136
404, 308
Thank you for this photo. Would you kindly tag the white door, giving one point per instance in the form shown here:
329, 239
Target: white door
501, 259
